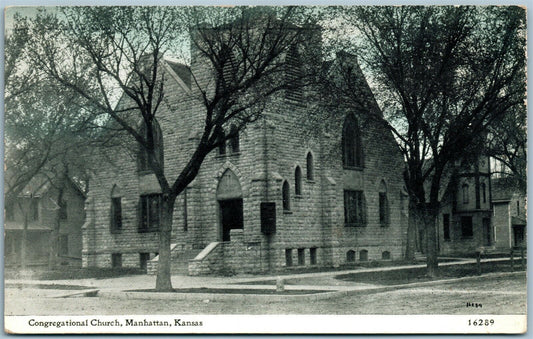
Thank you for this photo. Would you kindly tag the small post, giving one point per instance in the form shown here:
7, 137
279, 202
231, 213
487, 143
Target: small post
512, 262
523, 261
280, 285
478, 262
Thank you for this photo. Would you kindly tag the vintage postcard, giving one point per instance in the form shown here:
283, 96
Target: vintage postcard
265, 169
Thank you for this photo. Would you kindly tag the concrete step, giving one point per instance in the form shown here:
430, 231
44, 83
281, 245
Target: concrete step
179, 261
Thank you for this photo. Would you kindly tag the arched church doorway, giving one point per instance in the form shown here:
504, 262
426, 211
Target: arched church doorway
229, 197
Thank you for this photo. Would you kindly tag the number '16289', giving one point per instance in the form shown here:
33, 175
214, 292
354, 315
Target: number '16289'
480, 322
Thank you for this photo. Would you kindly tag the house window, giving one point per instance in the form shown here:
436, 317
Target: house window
312, 255
116, 214
310, 174
484, 192
143, 260
10, 211
63, 245
465, 194
34, 209
150, 212
298, 181
446, 226
63, 215
286, 196
143, 160
350, 256
288, 257
354, 208
467, 230
352, 153
116, 260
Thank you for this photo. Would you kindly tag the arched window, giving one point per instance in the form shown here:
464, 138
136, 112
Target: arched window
363, 255
286, 196
298, 181
233, 142
310, 175
350, 256
384, 218
465, 194
116, 209
352, 153
143, 159
484, 192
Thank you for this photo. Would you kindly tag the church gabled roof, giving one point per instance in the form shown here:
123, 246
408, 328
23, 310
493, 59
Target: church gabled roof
182, 71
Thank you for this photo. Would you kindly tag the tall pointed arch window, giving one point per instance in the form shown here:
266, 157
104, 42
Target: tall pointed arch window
384, 218
309, 162
352, 153
286, 196
298, 181
116, 210
143, 160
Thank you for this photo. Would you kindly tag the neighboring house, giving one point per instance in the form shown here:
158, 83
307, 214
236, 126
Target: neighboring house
465, 221
479, 212
509, 217
39, 203
281, 194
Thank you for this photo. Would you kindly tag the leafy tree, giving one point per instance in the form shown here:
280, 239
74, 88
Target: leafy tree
103, 53
443, 76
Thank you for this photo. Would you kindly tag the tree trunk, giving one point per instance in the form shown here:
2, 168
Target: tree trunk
23, 245
412, 231
54, 237
163, 282
430, 218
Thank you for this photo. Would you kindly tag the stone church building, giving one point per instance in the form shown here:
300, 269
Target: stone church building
283, 194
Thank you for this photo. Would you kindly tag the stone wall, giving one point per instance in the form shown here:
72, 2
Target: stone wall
312, 232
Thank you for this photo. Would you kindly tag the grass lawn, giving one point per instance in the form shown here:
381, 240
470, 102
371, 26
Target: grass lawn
398, 277
67, 273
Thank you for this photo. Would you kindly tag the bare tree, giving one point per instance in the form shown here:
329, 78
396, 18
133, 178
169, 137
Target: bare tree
508, 145
103, 53
443, 76
45, 129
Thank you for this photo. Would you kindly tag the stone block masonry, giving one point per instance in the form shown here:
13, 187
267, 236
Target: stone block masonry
292, 156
